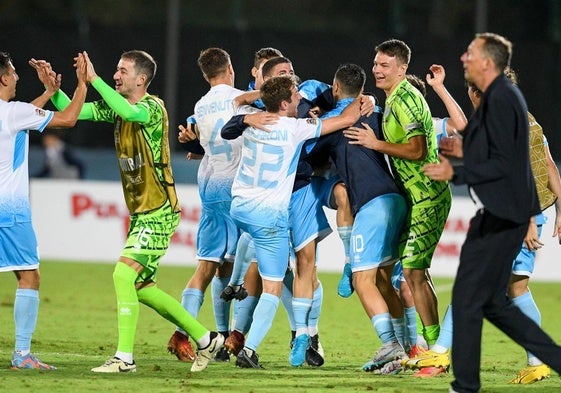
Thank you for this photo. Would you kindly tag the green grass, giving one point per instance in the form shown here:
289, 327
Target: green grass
77, 331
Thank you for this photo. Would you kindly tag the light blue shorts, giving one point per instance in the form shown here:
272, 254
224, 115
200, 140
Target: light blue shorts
271, 249
323, 188
376, 232
307, 218
217, 237
18, 247
526, 259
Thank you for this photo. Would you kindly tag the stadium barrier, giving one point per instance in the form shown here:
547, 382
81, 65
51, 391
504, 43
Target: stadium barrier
88, 221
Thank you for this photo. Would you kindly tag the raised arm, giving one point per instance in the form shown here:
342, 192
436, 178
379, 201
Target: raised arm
49, 78
458, 120
69, 116
118, 103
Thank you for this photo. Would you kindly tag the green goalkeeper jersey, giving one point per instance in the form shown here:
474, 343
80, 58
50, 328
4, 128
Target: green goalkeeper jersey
141, 143
407, 115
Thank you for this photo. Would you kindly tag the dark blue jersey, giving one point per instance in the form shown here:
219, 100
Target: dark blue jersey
364, 171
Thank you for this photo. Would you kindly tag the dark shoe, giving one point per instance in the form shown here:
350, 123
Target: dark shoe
244, 360
314, 353
222, 355
237, 292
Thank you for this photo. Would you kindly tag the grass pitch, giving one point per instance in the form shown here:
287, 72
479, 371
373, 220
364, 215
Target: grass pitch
77, 331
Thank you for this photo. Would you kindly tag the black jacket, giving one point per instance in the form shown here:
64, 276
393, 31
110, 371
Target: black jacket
496, 154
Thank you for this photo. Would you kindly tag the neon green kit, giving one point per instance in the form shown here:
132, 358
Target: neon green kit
407, 115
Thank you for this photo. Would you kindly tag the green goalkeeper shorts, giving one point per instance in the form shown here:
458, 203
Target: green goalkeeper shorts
422, 230
148, 239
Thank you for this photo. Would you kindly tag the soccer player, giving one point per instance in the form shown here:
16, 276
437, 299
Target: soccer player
445, 127
261, 194
217, 234
410, 143
18, 245
379, 210
141, 142
215, 175
309, 225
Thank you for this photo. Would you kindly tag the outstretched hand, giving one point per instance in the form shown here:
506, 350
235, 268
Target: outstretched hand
50, 79
81, 68
90, 71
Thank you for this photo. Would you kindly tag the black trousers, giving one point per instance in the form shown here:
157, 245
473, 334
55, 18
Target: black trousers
480, 291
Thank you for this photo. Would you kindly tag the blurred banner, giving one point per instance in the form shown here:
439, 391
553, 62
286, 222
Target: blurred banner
88, 221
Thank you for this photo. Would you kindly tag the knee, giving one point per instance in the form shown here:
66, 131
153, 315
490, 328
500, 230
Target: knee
28, 279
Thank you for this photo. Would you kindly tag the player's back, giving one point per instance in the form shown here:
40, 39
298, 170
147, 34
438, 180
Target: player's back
212, 111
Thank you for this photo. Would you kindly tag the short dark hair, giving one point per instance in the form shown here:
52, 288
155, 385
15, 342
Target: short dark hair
498, 48
144, 63
213, 62
351, 78
417, 83
395, 48
270, 64
265, 54
5, 61
275, 90
474, 89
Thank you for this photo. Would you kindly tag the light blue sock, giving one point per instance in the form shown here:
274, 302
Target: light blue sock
286, 298
245, 253
383, 325
444, 341
399, 329
410, 314
220, 307
244, 313
315, 311
26, 308
528, 306
301, 308
345, 235
262, 320
191, 300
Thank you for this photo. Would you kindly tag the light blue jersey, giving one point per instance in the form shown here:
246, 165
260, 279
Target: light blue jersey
15, 119
18, 245
212, 111
263, 185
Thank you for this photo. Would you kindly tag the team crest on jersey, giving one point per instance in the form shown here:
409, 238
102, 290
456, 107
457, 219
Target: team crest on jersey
40, 112
311, 120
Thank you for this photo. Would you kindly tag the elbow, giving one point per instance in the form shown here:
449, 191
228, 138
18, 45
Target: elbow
418, 155
461, 125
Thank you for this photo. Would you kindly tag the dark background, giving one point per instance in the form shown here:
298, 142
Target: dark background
316, 35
